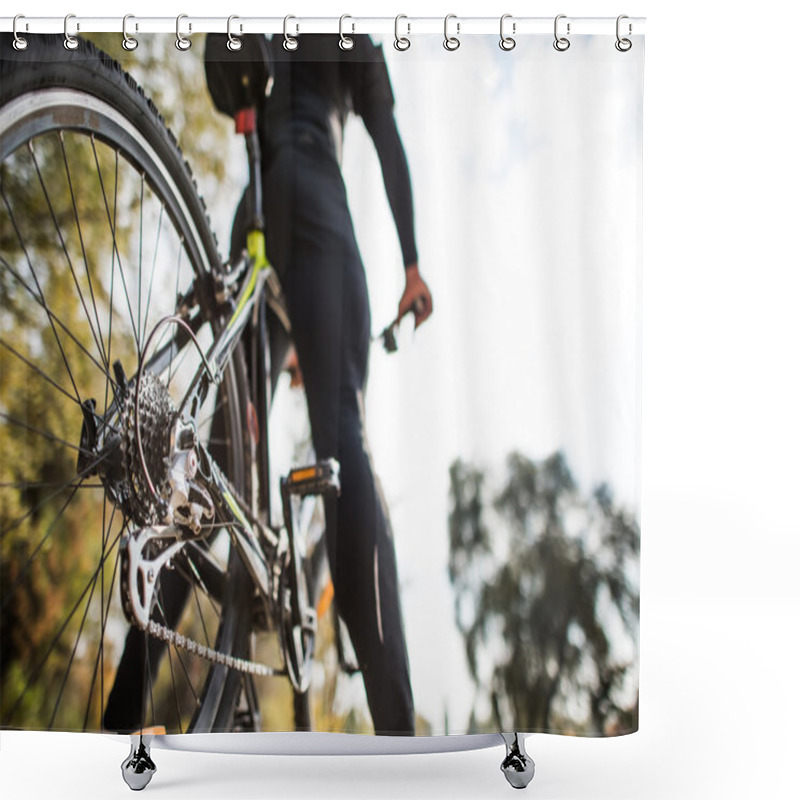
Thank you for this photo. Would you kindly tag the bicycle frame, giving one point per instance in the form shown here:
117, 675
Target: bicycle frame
272, 556
249, 534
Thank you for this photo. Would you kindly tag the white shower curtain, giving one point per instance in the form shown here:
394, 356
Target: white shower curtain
505, 431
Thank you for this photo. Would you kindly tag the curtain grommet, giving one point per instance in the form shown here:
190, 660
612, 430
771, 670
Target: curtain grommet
401, 43
507, 42
70, 42
561, 43
623, 44
290, 43
346, 43
128, 42
234, 43
182, 42
20, 42
451, 43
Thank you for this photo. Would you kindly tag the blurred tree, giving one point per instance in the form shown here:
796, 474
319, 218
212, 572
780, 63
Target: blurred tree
543, 577
52, 522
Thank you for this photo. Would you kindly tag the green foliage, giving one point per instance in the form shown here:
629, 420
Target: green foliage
541, 575
46, 556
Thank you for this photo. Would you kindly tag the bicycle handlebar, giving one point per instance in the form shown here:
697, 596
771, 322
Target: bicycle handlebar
388, 335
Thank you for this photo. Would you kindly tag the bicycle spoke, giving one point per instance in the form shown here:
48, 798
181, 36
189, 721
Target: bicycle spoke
205, 549
189, 682
80, 633
54, 318
109, 383
201, 583
181, 358
103, 543
40, 372
98, 662
12, 525
177, 285
26, 566
173, 347
175, 691
171, 670
44, 434
64, 246
36, 672
200, 612
80, 238
141, 232
46, 485
98, 658
217, 409
40, 298
148, 682
153, 267
115, 257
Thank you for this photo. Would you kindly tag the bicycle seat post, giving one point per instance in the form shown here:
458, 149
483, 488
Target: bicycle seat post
246, 124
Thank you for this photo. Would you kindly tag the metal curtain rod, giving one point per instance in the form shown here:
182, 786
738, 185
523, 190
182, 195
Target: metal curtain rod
462, 26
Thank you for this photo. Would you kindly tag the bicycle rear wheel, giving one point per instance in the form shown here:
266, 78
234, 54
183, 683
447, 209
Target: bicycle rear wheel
103, 235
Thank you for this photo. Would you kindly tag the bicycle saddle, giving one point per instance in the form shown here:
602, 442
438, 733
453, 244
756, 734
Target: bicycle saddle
237, 79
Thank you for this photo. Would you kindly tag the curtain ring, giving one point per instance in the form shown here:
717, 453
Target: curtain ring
289, 42
507, 42
345, 42
234, 43
128, 42
623, 45
561, 43
70, 42
451, 42
20, 42
401, 43
181, 42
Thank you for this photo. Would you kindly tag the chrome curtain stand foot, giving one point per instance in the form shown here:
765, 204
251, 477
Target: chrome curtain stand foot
517, 766
138, 768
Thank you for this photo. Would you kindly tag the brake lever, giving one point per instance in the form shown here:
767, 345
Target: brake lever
388, 335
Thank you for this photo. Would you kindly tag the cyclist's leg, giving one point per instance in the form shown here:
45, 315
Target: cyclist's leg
324, 279
366, 583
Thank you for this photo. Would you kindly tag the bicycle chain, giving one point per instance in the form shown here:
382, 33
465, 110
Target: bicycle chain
176, 639
208, 653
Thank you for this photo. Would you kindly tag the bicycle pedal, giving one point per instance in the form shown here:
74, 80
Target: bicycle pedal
150, 730
321, 478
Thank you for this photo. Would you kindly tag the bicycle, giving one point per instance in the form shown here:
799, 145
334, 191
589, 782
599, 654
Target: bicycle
115, 299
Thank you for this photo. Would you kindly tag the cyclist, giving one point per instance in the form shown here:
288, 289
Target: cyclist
311, 242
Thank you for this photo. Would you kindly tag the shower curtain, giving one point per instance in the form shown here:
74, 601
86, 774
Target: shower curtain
485, 562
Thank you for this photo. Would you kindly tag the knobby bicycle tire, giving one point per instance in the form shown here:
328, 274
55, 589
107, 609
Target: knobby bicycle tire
102, 230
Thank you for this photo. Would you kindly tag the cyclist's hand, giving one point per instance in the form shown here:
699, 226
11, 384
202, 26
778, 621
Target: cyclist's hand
416, 297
